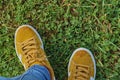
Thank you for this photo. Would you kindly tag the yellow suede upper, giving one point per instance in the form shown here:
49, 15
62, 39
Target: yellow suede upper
29, 49
81, 66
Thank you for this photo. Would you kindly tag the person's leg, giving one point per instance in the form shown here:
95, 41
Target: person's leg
82, 65
35, 72
3, 78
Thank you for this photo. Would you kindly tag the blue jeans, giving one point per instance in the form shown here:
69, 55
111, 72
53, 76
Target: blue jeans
35, 72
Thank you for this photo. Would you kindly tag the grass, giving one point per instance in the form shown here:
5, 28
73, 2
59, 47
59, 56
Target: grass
64, 26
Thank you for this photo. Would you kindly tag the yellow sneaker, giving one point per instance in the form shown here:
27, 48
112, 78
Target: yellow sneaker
29, 48
81, 65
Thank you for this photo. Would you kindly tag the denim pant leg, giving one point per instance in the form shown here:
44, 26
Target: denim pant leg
35, 72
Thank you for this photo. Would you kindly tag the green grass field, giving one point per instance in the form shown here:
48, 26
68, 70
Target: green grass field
64, 25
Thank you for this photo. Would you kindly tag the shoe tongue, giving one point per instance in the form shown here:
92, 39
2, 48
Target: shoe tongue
91, 78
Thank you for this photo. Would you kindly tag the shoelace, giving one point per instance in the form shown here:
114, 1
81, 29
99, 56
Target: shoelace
31, 51
81, 72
